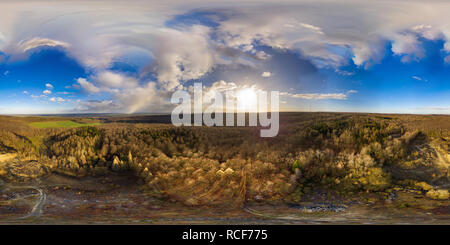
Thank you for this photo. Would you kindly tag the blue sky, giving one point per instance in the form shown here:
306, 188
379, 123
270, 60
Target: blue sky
131, 60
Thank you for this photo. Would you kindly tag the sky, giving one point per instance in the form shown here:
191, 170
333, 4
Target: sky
75, 56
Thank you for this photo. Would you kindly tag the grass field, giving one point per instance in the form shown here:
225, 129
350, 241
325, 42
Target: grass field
61, 124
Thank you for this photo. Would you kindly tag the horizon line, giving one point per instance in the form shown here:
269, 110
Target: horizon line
168, 113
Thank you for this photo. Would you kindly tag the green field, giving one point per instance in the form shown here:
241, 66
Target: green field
61, 124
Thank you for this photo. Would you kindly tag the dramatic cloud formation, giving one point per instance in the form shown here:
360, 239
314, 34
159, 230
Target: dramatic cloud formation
136, 53
39, 42
128, 95
182, 55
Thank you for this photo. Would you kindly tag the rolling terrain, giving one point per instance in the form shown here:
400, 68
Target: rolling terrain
321, 168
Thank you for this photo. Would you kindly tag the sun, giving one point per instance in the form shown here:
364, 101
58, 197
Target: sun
247, 100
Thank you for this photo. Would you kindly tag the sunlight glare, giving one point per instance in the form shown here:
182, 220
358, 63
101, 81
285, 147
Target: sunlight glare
247, 99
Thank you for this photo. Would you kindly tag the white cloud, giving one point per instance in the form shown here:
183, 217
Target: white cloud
409, 46
130, 100
312, 29
97, 106
47, 92
182, 55
127, 94
110, 79
266, 74
345, 73
352, 31
39, 42
48, 86
64, 92
143, 98
419, 78
57, 99
339, 96
87, 86
320, 96
2, 37
428, 32
434, 109
97, 38
315, 29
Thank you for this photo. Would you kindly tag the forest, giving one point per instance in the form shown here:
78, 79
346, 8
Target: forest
342, 153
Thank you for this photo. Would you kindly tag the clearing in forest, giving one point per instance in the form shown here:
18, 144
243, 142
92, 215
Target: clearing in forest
61, 124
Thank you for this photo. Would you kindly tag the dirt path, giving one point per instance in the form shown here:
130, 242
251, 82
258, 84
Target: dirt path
36, 211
